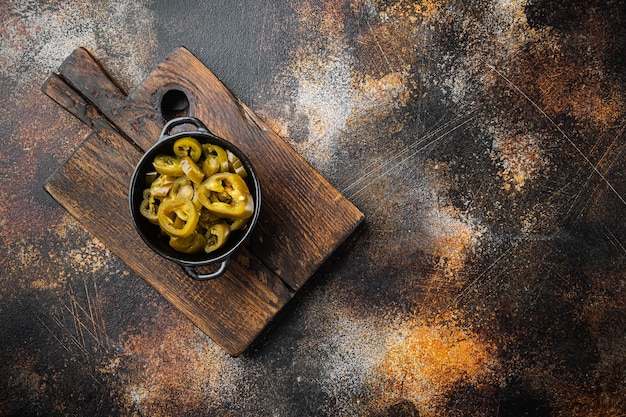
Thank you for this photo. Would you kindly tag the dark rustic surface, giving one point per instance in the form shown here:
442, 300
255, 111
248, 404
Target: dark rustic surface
483, 140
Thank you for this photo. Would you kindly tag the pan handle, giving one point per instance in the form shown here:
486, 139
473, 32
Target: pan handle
212, 275
165, 133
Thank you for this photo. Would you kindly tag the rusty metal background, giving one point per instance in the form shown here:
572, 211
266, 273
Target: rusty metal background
483, 140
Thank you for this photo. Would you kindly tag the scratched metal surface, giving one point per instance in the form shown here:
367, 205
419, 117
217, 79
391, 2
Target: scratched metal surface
483, 140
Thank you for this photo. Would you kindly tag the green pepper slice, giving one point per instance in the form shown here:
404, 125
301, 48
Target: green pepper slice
161, 186
177, 217
216, 237
207, 216
188, 146
210, 166
168, 165
149, 207
238, 224
193, 243
235, 165
226, 194
182, 188
191, 170
216, 159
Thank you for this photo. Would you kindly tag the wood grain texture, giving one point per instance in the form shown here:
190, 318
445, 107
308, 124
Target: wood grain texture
232, 310
67, 97
303, 219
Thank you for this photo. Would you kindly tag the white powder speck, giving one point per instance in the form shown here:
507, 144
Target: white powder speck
37, 37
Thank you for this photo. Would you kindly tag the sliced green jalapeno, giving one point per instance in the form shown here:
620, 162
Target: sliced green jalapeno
216, 159
162, 185
235, 165
226, 194
168, 165
216, 237
149, 207
191, 170
197, 196
238, 224
193, 243
188, 146
179, 186
177, 217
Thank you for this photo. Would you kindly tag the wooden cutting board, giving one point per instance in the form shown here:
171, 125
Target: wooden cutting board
303, 217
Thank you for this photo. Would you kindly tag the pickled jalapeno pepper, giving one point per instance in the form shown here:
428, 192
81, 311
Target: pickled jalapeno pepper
216, 237
177, 217
226, 194
197, 196
188, 147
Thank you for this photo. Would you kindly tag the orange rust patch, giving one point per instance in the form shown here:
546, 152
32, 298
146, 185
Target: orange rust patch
569, 75
521, 158
567, 88
332, 96
27, 155
378, 96
450, 239
320, 22
428, 359
411, 11
168, 366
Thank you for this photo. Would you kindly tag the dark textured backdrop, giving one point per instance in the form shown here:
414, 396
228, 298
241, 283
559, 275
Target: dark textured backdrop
483, 140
